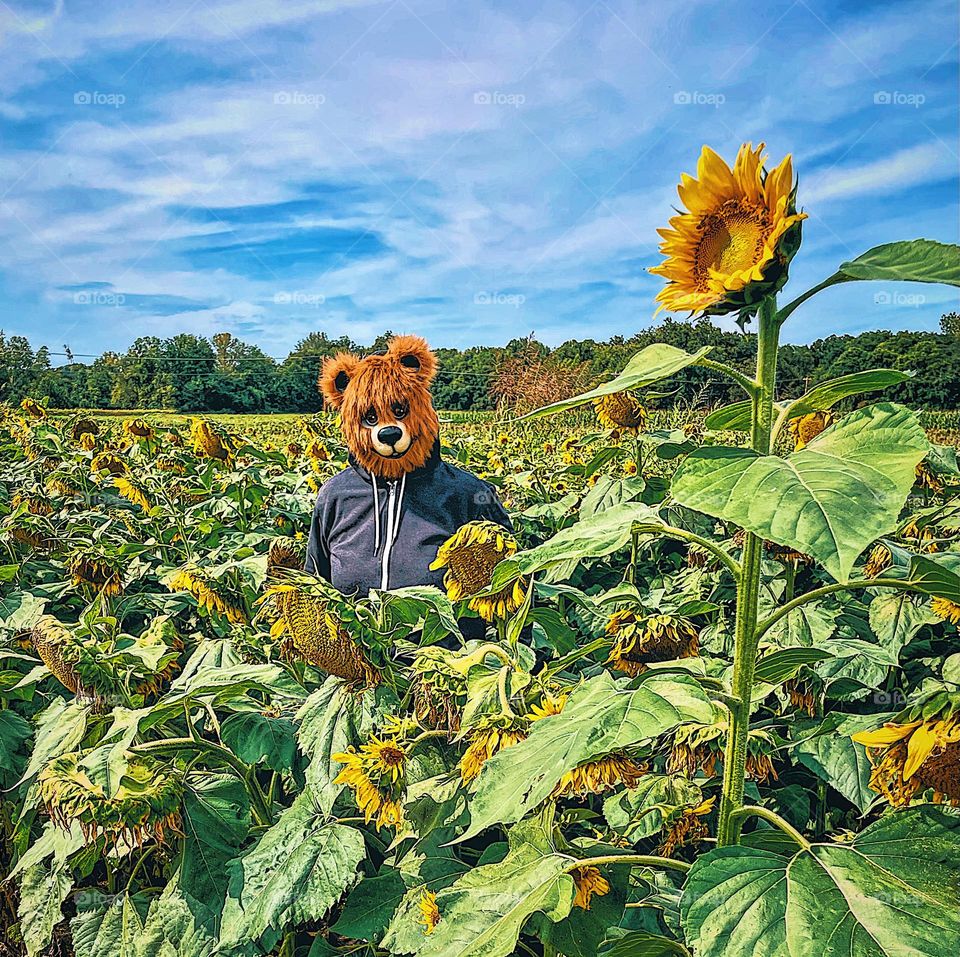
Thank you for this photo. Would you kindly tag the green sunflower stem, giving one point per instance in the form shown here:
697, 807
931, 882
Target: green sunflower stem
748, 593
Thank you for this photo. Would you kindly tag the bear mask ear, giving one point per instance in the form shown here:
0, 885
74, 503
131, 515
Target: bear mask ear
414, 356
335, 376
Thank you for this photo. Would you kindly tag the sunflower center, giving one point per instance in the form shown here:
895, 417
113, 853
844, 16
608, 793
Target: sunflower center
390, 756
731, 239
473, 566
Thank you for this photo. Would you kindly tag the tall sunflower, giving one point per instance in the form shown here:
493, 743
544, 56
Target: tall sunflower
470, 556
642, 639
620, 411
733, 245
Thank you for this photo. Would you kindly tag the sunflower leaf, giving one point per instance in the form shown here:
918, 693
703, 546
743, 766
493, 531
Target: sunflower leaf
890, 892
918, 260
829, 500
649, 365
599, 718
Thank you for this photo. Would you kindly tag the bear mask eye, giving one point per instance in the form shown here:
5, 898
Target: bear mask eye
410, 362
399, 410
370, 417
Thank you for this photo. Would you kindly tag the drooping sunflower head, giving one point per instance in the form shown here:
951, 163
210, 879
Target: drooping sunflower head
805, 428
211, 593
145, 805
733, 244
639, 640
138, 429
804, 692
687, 827
620, 412
489, 737
108, 462
33, 408
429, 911
470, 556
95, 570
926, 478
84, 426
376, 773
213, 442
879, 560
284, 553
590, 883
915, 756
317, 633
604, 774
52, 640
133, 489
88, 441
439, 688
946, 610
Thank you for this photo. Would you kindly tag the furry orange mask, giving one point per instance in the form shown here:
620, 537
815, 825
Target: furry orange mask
386, 412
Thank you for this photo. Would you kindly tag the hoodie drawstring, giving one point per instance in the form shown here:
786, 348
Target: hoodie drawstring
392, 529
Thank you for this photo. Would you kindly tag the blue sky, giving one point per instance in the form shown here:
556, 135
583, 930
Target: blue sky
469, 171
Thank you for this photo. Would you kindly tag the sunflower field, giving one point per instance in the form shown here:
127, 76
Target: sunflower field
716, 711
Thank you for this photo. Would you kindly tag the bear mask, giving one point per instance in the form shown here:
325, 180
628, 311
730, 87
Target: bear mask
386, 411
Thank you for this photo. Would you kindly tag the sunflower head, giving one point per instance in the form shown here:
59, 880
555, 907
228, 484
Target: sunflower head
138, 429
108, 462
945, 609
879, 560
805, 428
470, 556
84, 426
915, 756
604, 774
489, 737
33, 408
687, 827
640, 640
97, 571
210, 593
376, 773
133, 489
429, 911
927, 478
284, 553
620, 412
589, 883
732, 246
213, 442
145, 805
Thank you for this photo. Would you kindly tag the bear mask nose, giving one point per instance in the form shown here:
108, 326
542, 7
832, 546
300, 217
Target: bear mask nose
390, 435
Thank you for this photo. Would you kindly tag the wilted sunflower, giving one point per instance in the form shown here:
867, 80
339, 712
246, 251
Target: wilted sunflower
138, 429
589, 882
88, 441
699, 747
946, 610
33, 408
733, 246
549, 706
318, 634
82, 427
470, 556
604, 774
687, 828
925, 477
491, 736
209, 593
34, 504
52, 642
97, 571
805, 428
620, 411
429, 912
439, 688
910, 758
108, 462
284, 553
146, 803
879, 560
377, 776
642, 639
133, 490
213, 442
803, 694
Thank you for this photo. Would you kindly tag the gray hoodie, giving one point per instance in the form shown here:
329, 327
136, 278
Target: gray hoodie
373, 533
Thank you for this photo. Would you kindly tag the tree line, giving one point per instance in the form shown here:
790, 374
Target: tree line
189, 373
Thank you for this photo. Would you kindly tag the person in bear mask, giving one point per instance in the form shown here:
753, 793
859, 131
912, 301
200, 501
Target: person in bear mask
380, 522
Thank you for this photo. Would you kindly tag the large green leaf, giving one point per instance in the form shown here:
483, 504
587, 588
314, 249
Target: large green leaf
829, 500
594, 537
482, 913
891, 892
370, 906
106, 925
176, 925
919, 260
830, 754
599, 718
736, 417
295, 873
896, 616
216, 818
254, 736
649, 365
42, 891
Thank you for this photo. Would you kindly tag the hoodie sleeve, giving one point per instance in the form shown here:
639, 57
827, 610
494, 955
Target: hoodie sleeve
487, 506
318, 555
